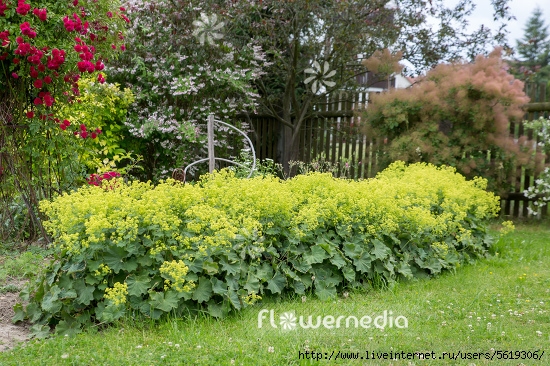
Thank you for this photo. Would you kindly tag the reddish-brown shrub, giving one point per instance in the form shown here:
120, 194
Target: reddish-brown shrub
458, 115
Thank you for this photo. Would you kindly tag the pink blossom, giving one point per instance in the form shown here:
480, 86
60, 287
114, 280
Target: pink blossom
3, 8
41, 14
22, 7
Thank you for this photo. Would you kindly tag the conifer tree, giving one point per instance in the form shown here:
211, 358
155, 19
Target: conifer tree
534, 49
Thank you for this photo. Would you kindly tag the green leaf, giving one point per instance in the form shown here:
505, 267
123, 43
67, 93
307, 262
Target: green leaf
317, 255
40, 331
165, 301
215, 310
252, 283
234, 299
300, 265
299, 287
363, 263
52, 273
218, 287
349, 274
264, 271
434, 265
352, 250
71, 267
67, 294
290, 273
405, 269
380, 251
203, 292
114, 258
327, 246
20, 313
324, 291
25, 293
306, 280
138, 285
34, 312
68, 327
325, 274
109, 313
130, 264
85, 293
65, 281
338, 260
230, 268
50, 302
277, 283
210, 267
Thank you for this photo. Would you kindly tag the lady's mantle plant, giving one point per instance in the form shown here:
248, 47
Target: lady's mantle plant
225, 243
45, 47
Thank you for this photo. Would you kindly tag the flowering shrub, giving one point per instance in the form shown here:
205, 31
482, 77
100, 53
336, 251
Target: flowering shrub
45, 47
105, 105
218, 245
38, 53
540, 191
457, 115
207, 70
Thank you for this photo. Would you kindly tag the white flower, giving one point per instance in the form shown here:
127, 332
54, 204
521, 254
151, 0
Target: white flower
206, 28
320, 76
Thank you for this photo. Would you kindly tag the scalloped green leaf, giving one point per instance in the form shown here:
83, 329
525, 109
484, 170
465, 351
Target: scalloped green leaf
165, 301
138, 284
85, 293
277, 283
316, 255
203, 291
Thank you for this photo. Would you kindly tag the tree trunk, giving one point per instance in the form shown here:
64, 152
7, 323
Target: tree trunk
289, 148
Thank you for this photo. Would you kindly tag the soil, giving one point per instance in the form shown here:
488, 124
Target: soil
11, 334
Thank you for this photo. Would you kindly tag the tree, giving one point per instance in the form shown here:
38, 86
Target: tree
43, 52
324, 38
458, 115
284, 57
534, 50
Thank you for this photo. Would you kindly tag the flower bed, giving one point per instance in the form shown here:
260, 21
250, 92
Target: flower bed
222, 244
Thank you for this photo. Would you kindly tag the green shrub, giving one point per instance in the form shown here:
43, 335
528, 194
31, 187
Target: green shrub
223, 243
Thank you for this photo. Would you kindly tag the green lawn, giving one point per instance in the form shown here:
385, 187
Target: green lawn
499, 304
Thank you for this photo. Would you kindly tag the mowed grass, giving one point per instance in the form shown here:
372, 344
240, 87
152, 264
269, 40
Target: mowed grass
498, 304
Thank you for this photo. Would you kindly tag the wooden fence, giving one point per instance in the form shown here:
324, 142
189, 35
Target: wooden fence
335, 136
